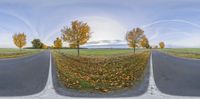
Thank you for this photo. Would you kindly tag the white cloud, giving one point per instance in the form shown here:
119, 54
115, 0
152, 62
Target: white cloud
105, 28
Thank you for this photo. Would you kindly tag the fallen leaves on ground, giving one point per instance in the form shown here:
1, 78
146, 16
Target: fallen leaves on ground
102, 74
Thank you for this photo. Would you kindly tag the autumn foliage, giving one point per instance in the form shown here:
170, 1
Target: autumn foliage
19, 40
58, 43
162, 45
72, 46
102, 74
44, 46
144, 42
134, 37
78, 34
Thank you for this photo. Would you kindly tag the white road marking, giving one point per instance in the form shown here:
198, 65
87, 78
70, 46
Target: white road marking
49, 91
153, 91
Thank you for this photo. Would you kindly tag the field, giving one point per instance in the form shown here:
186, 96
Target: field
13, 53
183, 52
98, 52
100, 70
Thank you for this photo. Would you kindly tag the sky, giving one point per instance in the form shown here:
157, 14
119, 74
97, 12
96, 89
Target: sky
176, 22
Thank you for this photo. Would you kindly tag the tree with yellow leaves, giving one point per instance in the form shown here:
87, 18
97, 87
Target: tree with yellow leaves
78, 34
44, 46
58, 43
72, 46
19, 40
134, 37
144, 42
162, 45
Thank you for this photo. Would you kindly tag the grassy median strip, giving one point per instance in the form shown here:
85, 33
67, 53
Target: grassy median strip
183, 52
14, 53
99, 52
100, 73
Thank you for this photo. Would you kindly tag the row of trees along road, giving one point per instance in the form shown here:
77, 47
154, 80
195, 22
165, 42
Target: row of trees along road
19, 40
79, 33
136, 38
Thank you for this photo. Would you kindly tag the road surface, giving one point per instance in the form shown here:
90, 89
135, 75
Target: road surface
176, 76
24, 76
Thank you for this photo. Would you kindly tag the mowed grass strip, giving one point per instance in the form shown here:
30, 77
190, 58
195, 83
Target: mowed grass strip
14, 53
183, 52
98, 52
101, 74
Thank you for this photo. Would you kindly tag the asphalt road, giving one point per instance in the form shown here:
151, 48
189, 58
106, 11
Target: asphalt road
24, 76
176, 76
28, 75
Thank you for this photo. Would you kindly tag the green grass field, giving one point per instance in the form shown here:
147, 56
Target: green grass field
98, 52
183, 52
13, 53
100, 74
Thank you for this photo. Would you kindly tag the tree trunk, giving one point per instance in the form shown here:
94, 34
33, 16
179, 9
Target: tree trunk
134, 54
78, 50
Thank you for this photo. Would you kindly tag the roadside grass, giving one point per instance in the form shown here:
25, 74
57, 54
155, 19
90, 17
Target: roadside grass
98, 52
101, 73
183, 52
13, 53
